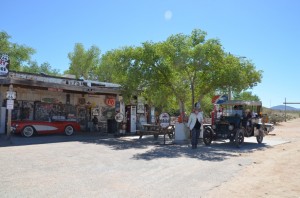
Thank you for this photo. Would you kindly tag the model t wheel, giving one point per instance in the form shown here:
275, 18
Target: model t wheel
239, 137
69, 130
28, 131
207, 136
260, 137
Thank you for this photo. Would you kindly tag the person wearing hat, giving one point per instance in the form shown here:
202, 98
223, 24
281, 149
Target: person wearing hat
194, 124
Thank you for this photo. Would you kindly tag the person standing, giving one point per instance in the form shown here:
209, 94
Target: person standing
194, 124
95, 123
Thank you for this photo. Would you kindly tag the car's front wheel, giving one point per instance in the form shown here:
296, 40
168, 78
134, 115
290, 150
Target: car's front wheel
260, 137
69, 130
28, 131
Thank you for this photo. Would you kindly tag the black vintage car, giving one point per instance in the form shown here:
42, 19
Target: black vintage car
234, 121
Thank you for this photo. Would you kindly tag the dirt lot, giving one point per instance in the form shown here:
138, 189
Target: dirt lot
90, 165
275, 172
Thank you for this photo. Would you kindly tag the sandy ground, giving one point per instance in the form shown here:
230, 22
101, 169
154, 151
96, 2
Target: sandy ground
93, 166
275, 172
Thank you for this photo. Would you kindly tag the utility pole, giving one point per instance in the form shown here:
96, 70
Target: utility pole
288, 103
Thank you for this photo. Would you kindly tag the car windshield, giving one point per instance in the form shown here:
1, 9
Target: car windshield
232, 112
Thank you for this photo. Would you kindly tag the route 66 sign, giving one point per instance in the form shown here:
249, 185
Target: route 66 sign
4, 64
11, 95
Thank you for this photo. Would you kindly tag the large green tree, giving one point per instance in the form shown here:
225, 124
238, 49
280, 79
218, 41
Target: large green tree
245, 95
84, 63
184, 68
44, 68
19, 54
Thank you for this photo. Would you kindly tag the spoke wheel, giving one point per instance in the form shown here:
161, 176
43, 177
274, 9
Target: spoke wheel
207, 137
28, 131
239, 137
69, 130
260, 137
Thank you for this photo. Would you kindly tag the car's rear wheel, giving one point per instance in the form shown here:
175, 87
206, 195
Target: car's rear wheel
28, 131
207, 136
69, 130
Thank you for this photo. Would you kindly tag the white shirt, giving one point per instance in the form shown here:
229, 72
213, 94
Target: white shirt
192, 120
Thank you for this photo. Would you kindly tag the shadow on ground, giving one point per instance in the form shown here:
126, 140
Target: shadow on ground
150, 148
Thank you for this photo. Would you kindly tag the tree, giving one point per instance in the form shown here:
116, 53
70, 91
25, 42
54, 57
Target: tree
236, 74
184, 68
45, 68
193, 60
18, 54
246, 95
84, 63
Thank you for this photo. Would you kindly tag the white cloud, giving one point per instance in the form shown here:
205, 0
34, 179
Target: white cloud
168, 15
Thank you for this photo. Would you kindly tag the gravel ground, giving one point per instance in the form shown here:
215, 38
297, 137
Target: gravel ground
91, 165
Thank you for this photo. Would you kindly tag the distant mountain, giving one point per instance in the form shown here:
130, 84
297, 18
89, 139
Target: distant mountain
282, 108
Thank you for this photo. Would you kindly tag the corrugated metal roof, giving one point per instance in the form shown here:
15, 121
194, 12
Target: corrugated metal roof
243, 102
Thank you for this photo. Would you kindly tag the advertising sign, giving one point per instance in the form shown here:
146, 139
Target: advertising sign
164, 120
4, 64
10, 104
110, 101
119, 117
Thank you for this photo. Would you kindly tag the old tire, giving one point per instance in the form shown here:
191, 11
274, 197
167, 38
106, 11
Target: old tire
239, 137
207, 136
260, 137
28, 131
69, 130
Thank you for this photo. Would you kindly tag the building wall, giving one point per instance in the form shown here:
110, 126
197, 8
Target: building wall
83, 106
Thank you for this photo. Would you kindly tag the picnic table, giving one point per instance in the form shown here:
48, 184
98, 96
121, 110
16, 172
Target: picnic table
156, 130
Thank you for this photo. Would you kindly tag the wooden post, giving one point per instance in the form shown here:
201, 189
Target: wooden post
10, 89
285, 109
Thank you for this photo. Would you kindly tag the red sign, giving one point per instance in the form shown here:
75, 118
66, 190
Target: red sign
109, 101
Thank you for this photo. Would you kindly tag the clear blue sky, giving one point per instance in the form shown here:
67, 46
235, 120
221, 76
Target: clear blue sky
265, 31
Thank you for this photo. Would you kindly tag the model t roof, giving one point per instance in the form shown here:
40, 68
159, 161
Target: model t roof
242, 102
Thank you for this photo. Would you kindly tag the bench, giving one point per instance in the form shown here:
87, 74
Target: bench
156, 133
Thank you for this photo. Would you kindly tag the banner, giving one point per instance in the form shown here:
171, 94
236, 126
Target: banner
219, 99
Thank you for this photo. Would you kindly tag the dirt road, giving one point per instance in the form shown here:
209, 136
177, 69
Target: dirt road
275, 172
94, 166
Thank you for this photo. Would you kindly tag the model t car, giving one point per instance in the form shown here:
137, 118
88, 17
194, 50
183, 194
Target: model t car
235, 120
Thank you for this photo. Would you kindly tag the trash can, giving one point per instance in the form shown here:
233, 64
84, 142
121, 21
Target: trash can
112, 126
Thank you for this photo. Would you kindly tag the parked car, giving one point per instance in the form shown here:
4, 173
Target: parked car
237, 120
28, 128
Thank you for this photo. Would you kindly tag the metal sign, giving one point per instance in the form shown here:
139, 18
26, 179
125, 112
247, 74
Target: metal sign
164, 120
4, 64
119, 117
11, 95
10, 104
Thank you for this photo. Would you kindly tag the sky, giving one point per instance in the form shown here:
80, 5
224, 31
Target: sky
266, 32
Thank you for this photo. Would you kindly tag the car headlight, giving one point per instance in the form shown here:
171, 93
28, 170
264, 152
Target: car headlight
230, 127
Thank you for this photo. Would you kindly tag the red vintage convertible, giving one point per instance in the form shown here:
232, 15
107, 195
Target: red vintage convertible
28, 128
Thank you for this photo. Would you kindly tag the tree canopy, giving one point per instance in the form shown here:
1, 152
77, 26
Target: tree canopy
84, 62
18, 54
183, 70
44, 68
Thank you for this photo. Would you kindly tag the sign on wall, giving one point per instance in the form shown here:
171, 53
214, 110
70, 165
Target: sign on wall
4, 64
110, 101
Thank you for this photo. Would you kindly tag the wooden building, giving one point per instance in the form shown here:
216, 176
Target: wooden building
39, 96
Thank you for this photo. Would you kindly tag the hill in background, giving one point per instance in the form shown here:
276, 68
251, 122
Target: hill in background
282, 108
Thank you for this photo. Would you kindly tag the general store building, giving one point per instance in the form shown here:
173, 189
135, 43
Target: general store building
39, 97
